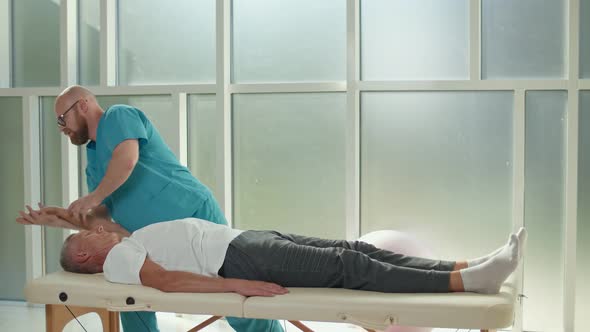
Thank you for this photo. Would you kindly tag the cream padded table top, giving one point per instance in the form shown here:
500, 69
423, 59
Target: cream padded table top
92, 290
379, 310
368, 309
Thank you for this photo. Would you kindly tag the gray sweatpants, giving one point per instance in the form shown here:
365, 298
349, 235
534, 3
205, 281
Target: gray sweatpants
301, 261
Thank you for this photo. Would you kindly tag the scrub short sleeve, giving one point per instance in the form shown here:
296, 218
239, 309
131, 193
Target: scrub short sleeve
124, 262
123, 123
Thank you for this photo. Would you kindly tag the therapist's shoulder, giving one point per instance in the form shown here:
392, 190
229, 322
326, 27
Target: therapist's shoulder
121, 112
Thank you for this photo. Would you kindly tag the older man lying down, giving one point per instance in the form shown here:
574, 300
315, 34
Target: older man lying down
192, 255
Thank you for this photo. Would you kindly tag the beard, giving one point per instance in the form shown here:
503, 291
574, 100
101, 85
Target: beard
80, 137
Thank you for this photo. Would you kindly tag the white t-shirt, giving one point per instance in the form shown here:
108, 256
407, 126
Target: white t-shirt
190, 245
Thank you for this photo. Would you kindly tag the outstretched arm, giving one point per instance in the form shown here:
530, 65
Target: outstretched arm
37, 217
153, 275
60, 217
90, 223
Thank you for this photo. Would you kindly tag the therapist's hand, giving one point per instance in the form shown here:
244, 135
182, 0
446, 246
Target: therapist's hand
84, 205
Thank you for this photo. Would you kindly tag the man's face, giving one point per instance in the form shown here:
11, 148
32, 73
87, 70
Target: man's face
94, 241
72, 123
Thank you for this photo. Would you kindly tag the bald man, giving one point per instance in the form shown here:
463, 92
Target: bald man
134, 177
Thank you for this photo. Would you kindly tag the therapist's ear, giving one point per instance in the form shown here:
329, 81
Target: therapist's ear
84, 105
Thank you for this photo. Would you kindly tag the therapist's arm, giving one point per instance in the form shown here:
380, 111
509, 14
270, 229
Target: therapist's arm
123, 161
155, 276
101, 211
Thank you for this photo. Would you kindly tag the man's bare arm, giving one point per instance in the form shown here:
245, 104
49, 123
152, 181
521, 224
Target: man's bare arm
36, 217
90, 223
59, 217
155, 276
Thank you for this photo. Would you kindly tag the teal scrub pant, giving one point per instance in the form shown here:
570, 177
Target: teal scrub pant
145, 321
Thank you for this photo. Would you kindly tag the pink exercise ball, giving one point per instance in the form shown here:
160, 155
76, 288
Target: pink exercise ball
398, 242
402, 243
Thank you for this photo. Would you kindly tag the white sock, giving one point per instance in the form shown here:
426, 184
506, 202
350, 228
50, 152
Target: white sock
488, 277
483, 259
522, 236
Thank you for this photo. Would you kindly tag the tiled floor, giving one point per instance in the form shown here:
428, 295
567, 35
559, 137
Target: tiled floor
18, 317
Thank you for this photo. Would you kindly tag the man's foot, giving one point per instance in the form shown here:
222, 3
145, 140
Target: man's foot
522, 236
488, 276
483, 259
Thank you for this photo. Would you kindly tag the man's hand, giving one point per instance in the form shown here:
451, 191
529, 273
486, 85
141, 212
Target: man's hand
44, 216
54, 210
83, 206
256, 288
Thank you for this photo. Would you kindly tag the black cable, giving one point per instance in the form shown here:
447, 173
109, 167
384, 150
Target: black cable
76, 318
144, 324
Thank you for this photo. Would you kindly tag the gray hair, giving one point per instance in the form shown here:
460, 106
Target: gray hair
66, 261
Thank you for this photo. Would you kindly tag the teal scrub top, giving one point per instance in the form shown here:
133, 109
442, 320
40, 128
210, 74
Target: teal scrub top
159, 188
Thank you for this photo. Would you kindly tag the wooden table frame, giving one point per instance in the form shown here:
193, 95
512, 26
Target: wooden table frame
57, 317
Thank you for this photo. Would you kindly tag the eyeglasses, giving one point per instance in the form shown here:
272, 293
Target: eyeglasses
61, 121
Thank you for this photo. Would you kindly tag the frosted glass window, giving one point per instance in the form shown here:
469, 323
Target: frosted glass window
203, 126
583, 251
585, 39
289, 163
160, 43
12, 235
35, 36
289, 40
157, 108
544, 201
414, 40
89, 42
439, 166
5, 44
523, 39
52, 181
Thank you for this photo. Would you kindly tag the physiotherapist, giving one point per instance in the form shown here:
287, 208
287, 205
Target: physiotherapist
134, 178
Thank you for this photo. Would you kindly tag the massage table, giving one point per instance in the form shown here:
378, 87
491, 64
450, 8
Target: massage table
66, 294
